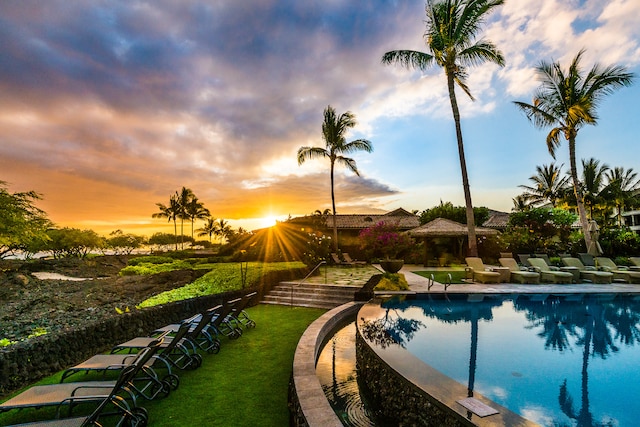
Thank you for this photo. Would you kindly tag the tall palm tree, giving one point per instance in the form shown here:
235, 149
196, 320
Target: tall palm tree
621, 190
549, 185
171, 212
184, 197
450, 36
334, 129
566, 101
195, 210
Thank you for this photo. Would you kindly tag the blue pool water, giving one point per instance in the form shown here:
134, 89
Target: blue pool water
558, 361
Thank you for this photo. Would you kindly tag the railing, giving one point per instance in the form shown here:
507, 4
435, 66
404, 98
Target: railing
305, 278
431, 281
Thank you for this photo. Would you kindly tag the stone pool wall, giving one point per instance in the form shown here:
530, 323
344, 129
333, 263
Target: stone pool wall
395, 399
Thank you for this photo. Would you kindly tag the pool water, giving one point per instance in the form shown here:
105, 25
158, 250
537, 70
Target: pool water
336, 370
555, 360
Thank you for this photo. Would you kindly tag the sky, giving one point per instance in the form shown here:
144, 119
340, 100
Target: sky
109, 107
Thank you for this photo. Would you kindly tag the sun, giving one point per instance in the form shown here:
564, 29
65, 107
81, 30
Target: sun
268, 221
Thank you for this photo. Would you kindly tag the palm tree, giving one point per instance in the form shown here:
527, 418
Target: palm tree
566, 101
334, 129
593, 176
195, 210
621, 190
549, 185
210, 229
451, 30
171, 212
224, 229
520, 204
184, 197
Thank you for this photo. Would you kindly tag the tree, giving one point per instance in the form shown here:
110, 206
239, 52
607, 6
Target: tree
334, 129
21, 223
454, 213
224, 229
184, 198
548, 186
171, 212
451, 30
72, 242
195, 210
121, 243
593, 177
566, 101
621, 190
210, 229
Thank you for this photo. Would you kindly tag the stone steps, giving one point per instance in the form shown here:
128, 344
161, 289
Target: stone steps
325, 296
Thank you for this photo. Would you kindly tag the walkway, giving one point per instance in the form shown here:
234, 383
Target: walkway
419, 284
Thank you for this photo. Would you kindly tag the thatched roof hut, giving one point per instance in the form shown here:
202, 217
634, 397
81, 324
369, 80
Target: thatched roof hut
442, 227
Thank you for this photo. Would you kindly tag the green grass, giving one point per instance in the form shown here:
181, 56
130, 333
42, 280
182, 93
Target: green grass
223, 277
246, 384
441, 276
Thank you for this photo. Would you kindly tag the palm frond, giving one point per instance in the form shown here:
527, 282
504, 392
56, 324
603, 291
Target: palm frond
310, 153
410, 59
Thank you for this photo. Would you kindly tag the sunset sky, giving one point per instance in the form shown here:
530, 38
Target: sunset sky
108, 107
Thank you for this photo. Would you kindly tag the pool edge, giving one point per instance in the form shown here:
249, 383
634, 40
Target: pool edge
308, 404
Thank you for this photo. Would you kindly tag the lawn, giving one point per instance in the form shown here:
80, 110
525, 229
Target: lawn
246, 384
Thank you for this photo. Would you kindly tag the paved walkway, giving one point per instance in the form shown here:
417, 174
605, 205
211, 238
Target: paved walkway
420, 284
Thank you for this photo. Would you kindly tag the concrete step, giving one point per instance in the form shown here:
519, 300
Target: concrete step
310, 295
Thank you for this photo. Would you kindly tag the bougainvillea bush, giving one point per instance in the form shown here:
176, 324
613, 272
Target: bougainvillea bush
384, 240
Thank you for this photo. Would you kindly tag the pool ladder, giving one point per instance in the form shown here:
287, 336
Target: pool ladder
432, 281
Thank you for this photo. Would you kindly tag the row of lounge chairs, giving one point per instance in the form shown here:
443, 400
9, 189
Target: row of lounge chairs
537, 268
146, 369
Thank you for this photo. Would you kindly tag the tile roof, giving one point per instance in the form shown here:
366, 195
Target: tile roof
442, 227
401, 218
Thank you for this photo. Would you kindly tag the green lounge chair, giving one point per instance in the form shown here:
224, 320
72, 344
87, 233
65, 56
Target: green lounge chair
480, 273
88, 392
588, 273
619, 272
549, 275
518, 274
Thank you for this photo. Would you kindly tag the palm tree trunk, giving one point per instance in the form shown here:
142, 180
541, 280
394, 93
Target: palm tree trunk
333, 206
471, 226
577, 191
175, 232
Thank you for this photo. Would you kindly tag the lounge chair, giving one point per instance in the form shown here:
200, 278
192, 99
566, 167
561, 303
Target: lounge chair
148, 385
546, 259
636, 263
349, 260
517, 273
524, 259
176, 350
588, 273
619, 272
337, 261
88, 392
480, 273
549, 275
200, 333
587, 259
239, 315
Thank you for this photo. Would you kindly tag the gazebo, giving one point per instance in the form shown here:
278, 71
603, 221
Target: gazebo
442, 227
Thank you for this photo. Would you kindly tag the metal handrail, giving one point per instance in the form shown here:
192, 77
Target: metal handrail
305, 278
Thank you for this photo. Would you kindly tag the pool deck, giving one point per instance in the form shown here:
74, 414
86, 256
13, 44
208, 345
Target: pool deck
419, 284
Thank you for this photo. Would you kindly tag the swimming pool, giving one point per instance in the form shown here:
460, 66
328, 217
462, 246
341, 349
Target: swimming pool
555, 360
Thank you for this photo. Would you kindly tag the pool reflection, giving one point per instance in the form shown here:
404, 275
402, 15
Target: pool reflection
532, 354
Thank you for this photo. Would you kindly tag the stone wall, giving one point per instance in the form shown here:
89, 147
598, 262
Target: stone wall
28, 361
396, 401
